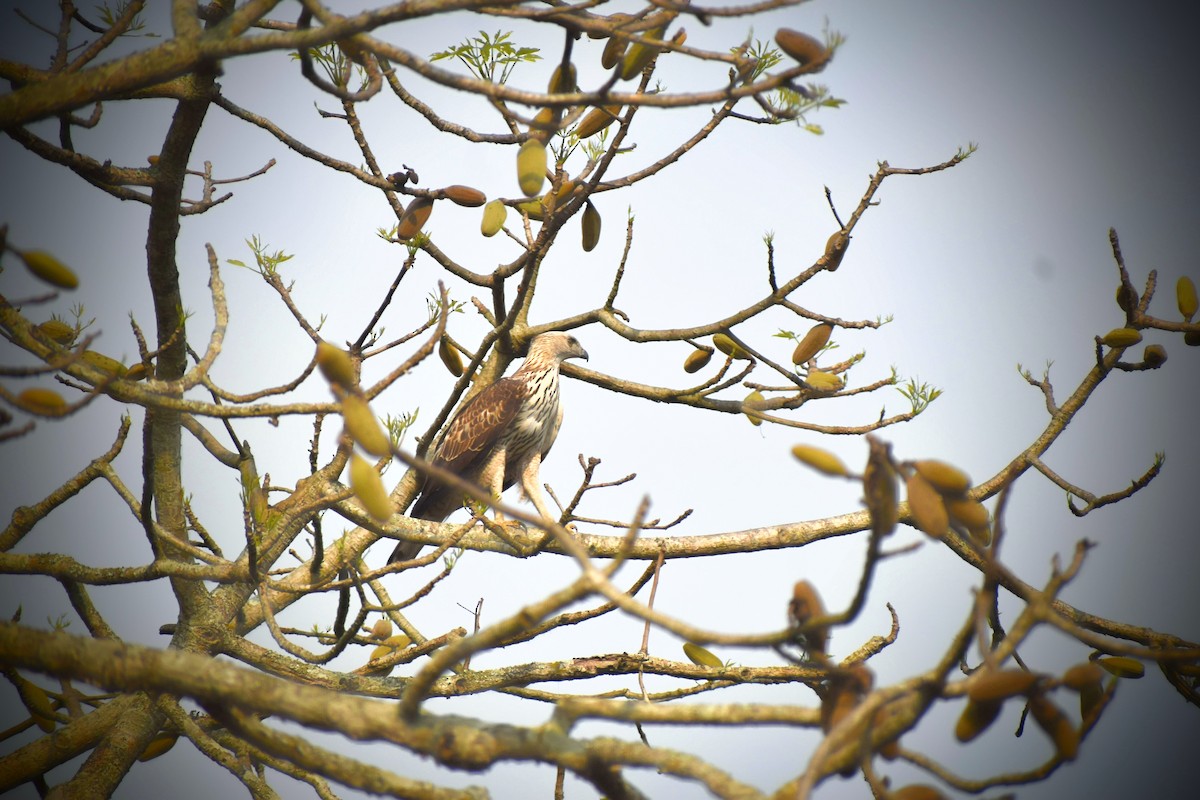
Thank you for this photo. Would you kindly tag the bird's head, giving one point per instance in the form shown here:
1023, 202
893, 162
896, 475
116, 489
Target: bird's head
556, 346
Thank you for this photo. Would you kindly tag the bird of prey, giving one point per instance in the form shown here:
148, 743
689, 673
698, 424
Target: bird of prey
500, 436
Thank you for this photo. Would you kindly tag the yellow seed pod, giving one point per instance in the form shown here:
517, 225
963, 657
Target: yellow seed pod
816, 338
800, 46
464, 195
494, 214
363, 427
139, 371
821, 460
336, 365
614, 51
916, 791
700, 656
49, 269
158, 745
535, 209
57, 331
1083, 675
752, 406
368, 488
729, 347
1122, 667
590, 227
414, 218
545, 124
928, 511
393, 644
1121, 337
560, 196
382, 629
971, 514
562, 81
975, 719
103, 363
696, 360
1155, 355
450, 357
37, 702
1051, 719
996, 685
531, 166
823, 381
880, 490
596, 120
46, 402
944, 477
1185, 297
641, 54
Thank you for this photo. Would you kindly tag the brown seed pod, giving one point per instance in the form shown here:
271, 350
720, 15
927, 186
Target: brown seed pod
336, 365
994, 685
701, 657
494, 214
800, 46
46, 402
57, 331
1185, 298
103, 363
158, 745
49, 269
1083, 675
614, 51
1122, 666
368, 488
982, 536
944, 477
590, 226
37, 702
820, 460
880, 489
363, 427
464, 195
597, 120
976, 718
971, 514
916, 791
1191, 338
1051, 719
835, 249
696, 360
845, 692
925, 503
1089, 699
545, 124
382, 629
1121, 337
139, 371
450, 357
1155, 355
816, 338
531, 166
562, 81
729, 347
1126, 298
804, 607
752, 407
414, 218
641, 54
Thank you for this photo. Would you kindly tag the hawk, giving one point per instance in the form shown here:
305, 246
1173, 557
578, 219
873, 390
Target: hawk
500, 436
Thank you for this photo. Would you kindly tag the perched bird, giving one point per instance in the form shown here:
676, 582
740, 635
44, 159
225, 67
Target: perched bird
500, 436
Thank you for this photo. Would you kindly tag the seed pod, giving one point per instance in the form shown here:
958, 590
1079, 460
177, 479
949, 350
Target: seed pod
1121, 337
1155, 355
800, 46
816, 338
49, 269
414, 217
1126, 297
450, 357
1082, 675
1122, 667
804, 607
363, 427
916, 791
1001, 684
880, 490
393, 644
696, 360
823, 381
57, 331
641, 54
976, 718
494, 214
596, 120
464, 195
614, 51
835, 249
535, 209
928, 511
531, 166
845, 692
752, 406
1054, 722
1185, 297
944, 477
36, 701
336, 365
729, 347
368, 488
139, 371
590, 225
559, 197
382, 629
46, 402
1191, 338
545, 124
158, 745
1089, 699
701, 657
103, 363
982, 536
562, 81
820, 460
971, 514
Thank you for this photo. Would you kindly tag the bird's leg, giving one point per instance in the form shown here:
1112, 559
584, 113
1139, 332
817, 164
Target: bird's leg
531, 486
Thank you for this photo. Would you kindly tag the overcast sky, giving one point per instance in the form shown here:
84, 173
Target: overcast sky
1083, 114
